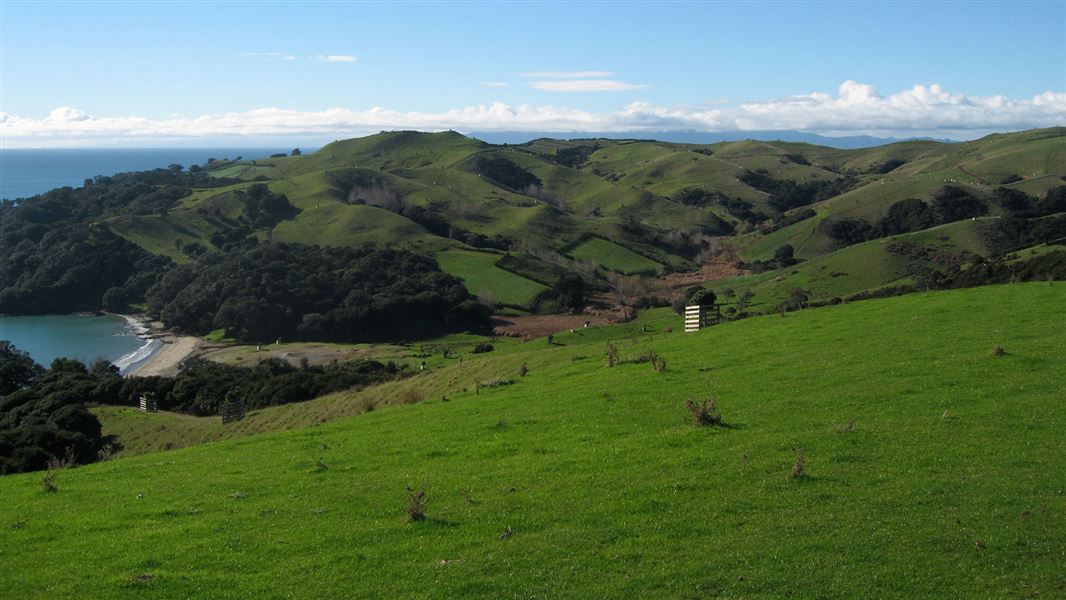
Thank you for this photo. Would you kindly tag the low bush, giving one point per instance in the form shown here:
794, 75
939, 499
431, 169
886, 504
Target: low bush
416, 505
704, 414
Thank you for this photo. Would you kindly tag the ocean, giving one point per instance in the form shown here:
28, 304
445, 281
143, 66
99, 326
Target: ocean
85, 338
25, 172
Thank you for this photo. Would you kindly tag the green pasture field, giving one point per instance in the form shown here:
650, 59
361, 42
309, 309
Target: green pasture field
931, 467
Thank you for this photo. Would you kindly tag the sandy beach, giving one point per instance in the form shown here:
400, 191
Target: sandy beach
165, 361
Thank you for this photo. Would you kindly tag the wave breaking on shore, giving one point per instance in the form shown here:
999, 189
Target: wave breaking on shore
129, 363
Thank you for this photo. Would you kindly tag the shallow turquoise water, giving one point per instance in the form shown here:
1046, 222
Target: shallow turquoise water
73, 336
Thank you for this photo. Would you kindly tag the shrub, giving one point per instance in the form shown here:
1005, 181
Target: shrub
658, 363
797, 467
496, 382
612, 354
416, 505
704, 414
49, 479
482, 347
702, 297
523, 370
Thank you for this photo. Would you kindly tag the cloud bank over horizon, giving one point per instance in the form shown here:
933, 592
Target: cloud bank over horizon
854, 109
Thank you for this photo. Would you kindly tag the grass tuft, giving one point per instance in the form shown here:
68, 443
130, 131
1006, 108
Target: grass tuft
798, 466
416, 505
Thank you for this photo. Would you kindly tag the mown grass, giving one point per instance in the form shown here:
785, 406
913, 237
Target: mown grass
583, 481
484, 279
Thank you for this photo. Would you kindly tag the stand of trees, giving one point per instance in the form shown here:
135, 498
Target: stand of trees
786, 194
44, 415
44, 418
1020, 225
57, 255
505, 172
307, 292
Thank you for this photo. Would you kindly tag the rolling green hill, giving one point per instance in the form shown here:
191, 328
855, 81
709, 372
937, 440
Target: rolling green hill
627, 205
931, 467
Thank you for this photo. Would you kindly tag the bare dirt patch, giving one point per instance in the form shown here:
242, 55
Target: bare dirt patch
535, 326
711, 271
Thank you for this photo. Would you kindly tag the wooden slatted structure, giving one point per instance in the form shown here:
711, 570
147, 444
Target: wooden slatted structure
693, 318
148, 403
233, 411
697, 317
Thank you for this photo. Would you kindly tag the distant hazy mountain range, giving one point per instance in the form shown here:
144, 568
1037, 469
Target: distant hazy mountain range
699, 137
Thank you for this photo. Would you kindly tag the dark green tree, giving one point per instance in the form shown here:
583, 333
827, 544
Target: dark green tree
569, 292
17, 369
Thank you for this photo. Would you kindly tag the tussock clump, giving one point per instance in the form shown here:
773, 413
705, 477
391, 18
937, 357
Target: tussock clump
798, 466
704, 414
416, 505
998, 351
523, 370
849, 427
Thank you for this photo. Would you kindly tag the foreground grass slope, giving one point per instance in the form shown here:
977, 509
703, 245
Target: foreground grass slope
583, 481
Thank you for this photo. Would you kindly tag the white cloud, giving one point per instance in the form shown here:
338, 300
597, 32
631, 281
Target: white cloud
855, 108
272, 55
335, 58
585, 85
66, 114
493, 84
567, 74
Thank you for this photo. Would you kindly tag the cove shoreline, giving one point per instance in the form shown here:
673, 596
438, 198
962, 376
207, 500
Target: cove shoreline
162, 353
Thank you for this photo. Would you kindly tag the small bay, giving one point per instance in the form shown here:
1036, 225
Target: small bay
85, 338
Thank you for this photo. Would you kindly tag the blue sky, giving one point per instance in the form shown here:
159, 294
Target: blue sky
124, 73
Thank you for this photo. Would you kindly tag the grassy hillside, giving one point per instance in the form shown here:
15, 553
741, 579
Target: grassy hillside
931, 468
630, 206
612, 256
862, 267
483, 278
